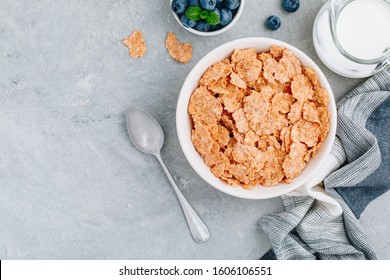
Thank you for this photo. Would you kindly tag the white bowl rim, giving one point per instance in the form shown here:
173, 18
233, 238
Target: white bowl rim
216, 32
192, 155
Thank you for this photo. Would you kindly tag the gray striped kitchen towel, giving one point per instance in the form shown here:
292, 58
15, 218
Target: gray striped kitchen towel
321, 222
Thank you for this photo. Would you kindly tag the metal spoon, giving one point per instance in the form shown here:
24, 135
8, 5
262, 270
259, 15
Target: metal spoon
148, 137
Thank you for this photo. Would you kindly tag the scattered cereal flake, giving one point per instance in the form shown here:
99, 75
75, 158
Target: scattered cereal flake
179, 51
239, 55
204, 106
249, 70
306, 132
310, 112
136, 44
282, 102
241, 121
290, 64
236, 80
301, 88
216, 71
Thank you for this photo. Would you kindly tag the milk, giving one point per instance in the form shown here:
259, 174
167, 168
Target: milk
363, 28
363, 31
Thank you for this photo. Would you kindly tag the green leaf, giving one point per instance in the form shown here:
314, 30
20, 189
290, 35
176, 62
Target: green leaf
212, 18
193, 13
204, 14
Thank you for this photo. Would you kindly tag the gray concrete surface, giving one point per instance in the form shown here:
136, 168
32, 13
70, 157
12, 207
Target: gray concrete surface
72, 186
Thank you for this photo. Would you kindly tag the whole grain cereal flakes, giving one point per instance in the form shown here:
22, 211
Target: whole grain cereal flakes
306, 132
179, 51
241, 121
232, 101
258, 118
136, 44
310, 112
256, 107
301, 88
240, 54
216, 71
204, 107
249, 70
237, 81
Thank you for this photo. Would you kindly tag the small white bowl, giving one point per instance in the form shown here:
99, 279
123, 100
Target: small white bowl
184, 122
211, 33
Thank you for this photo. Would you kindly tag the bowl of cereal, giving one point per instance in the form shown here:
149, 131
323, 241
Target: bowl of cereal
256, 118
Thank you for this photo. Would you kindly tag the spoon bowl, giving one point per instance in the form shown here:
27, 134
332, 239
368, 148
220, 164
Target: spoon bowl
144, 131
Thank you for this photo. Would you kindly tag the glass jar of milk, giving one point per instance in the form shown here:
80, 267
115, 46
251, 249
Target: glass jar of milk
352, 37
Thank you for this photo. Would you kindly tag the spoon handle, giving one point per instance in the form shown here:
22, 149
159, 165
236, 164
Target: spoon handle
199, 231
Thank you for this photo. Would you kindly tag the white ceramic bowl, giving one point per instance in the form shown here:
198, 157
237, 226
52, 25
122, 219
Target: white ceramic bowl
184, 122
216, 32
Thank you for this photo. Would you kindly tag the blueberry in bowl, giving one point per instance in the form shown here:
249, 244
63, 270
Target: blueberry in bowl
208, 4
207, 17
179, 6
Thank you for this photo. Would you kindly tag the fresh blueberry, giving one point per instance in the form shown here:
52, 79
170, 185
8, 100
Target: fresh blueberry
290, 5
273, 23
215, 10
179, 6
214, 27
192, 3
231, 4
187, 22
208, 4
202, 26
226, 17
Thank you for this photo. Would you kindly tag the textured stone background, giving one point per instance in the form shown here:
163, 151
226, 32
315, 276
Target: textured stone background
72, 186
